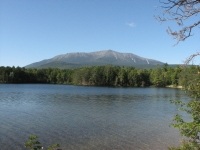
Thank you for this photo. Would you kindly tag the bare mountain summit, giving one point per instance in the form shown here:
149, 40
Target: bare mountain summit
80, 59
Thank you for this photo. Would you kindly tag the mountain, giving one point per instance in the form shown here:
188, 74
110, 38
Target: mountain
104, 57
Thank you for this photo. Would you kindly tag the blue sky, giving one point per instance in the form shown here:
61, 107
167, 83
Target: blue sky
33, 30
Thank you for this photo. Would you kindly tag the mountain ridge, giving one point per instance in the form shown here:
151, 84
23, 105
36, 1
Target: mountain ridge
102, 57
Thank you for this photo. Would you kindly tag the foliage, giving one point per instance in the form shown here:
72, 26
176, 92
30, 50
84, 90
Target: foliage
190, 79
34, 144
188, 129
98, 75
180, 11
186, 146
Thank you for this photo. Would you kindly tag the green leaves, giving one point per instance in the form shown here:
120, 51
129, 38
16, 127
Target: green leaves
189, 129
186, 146
54, 147
34, 144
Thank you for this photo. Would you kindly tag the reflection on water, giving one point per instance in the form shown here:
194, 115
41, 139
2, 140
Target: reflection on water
85, 118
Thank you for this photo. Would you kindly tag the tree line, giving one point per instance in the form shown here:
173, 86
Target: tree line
101, 76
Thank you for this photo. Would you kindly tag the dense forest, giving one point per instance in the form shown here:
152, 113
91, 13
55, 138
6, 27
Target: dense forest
101, 76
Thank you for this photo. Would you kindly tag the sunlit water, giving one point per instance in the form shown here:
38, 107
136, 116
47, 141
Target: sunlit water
88, 118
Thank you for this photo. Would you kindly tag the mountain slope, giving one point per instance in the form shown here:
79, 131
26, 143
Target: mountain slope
94, 58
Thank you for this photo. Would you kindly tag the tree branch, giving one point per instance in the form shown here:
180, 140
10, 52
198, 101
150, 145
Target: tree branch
182, 34
179, 11
189, 59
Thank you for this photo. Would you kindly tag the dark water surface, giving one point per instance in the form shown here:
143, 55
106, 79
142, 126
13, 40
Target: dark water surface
88, 118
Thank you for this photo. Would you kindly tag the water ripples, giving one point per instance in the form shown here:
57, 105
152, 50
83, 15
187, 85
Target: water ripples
88, 117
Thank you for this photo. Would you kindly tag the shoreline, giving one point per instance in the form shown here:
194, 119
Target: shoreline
173, 86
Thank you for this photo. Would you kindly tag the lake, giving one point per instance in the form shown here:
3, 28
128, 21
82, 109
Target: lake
88, 118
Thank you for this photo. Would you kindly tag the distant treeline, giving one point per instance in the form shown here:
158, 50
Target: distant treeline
101, 76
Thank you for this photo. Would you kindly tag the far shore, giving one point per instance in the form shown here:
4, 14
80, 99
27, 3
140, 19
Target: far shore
174, 86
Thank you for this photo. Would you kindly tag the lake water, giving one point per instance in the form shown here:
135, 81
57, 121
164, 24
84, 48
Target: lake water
88, 118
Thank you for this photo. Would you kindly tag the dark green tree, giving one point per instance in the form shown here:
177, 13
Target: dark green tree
133, 77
